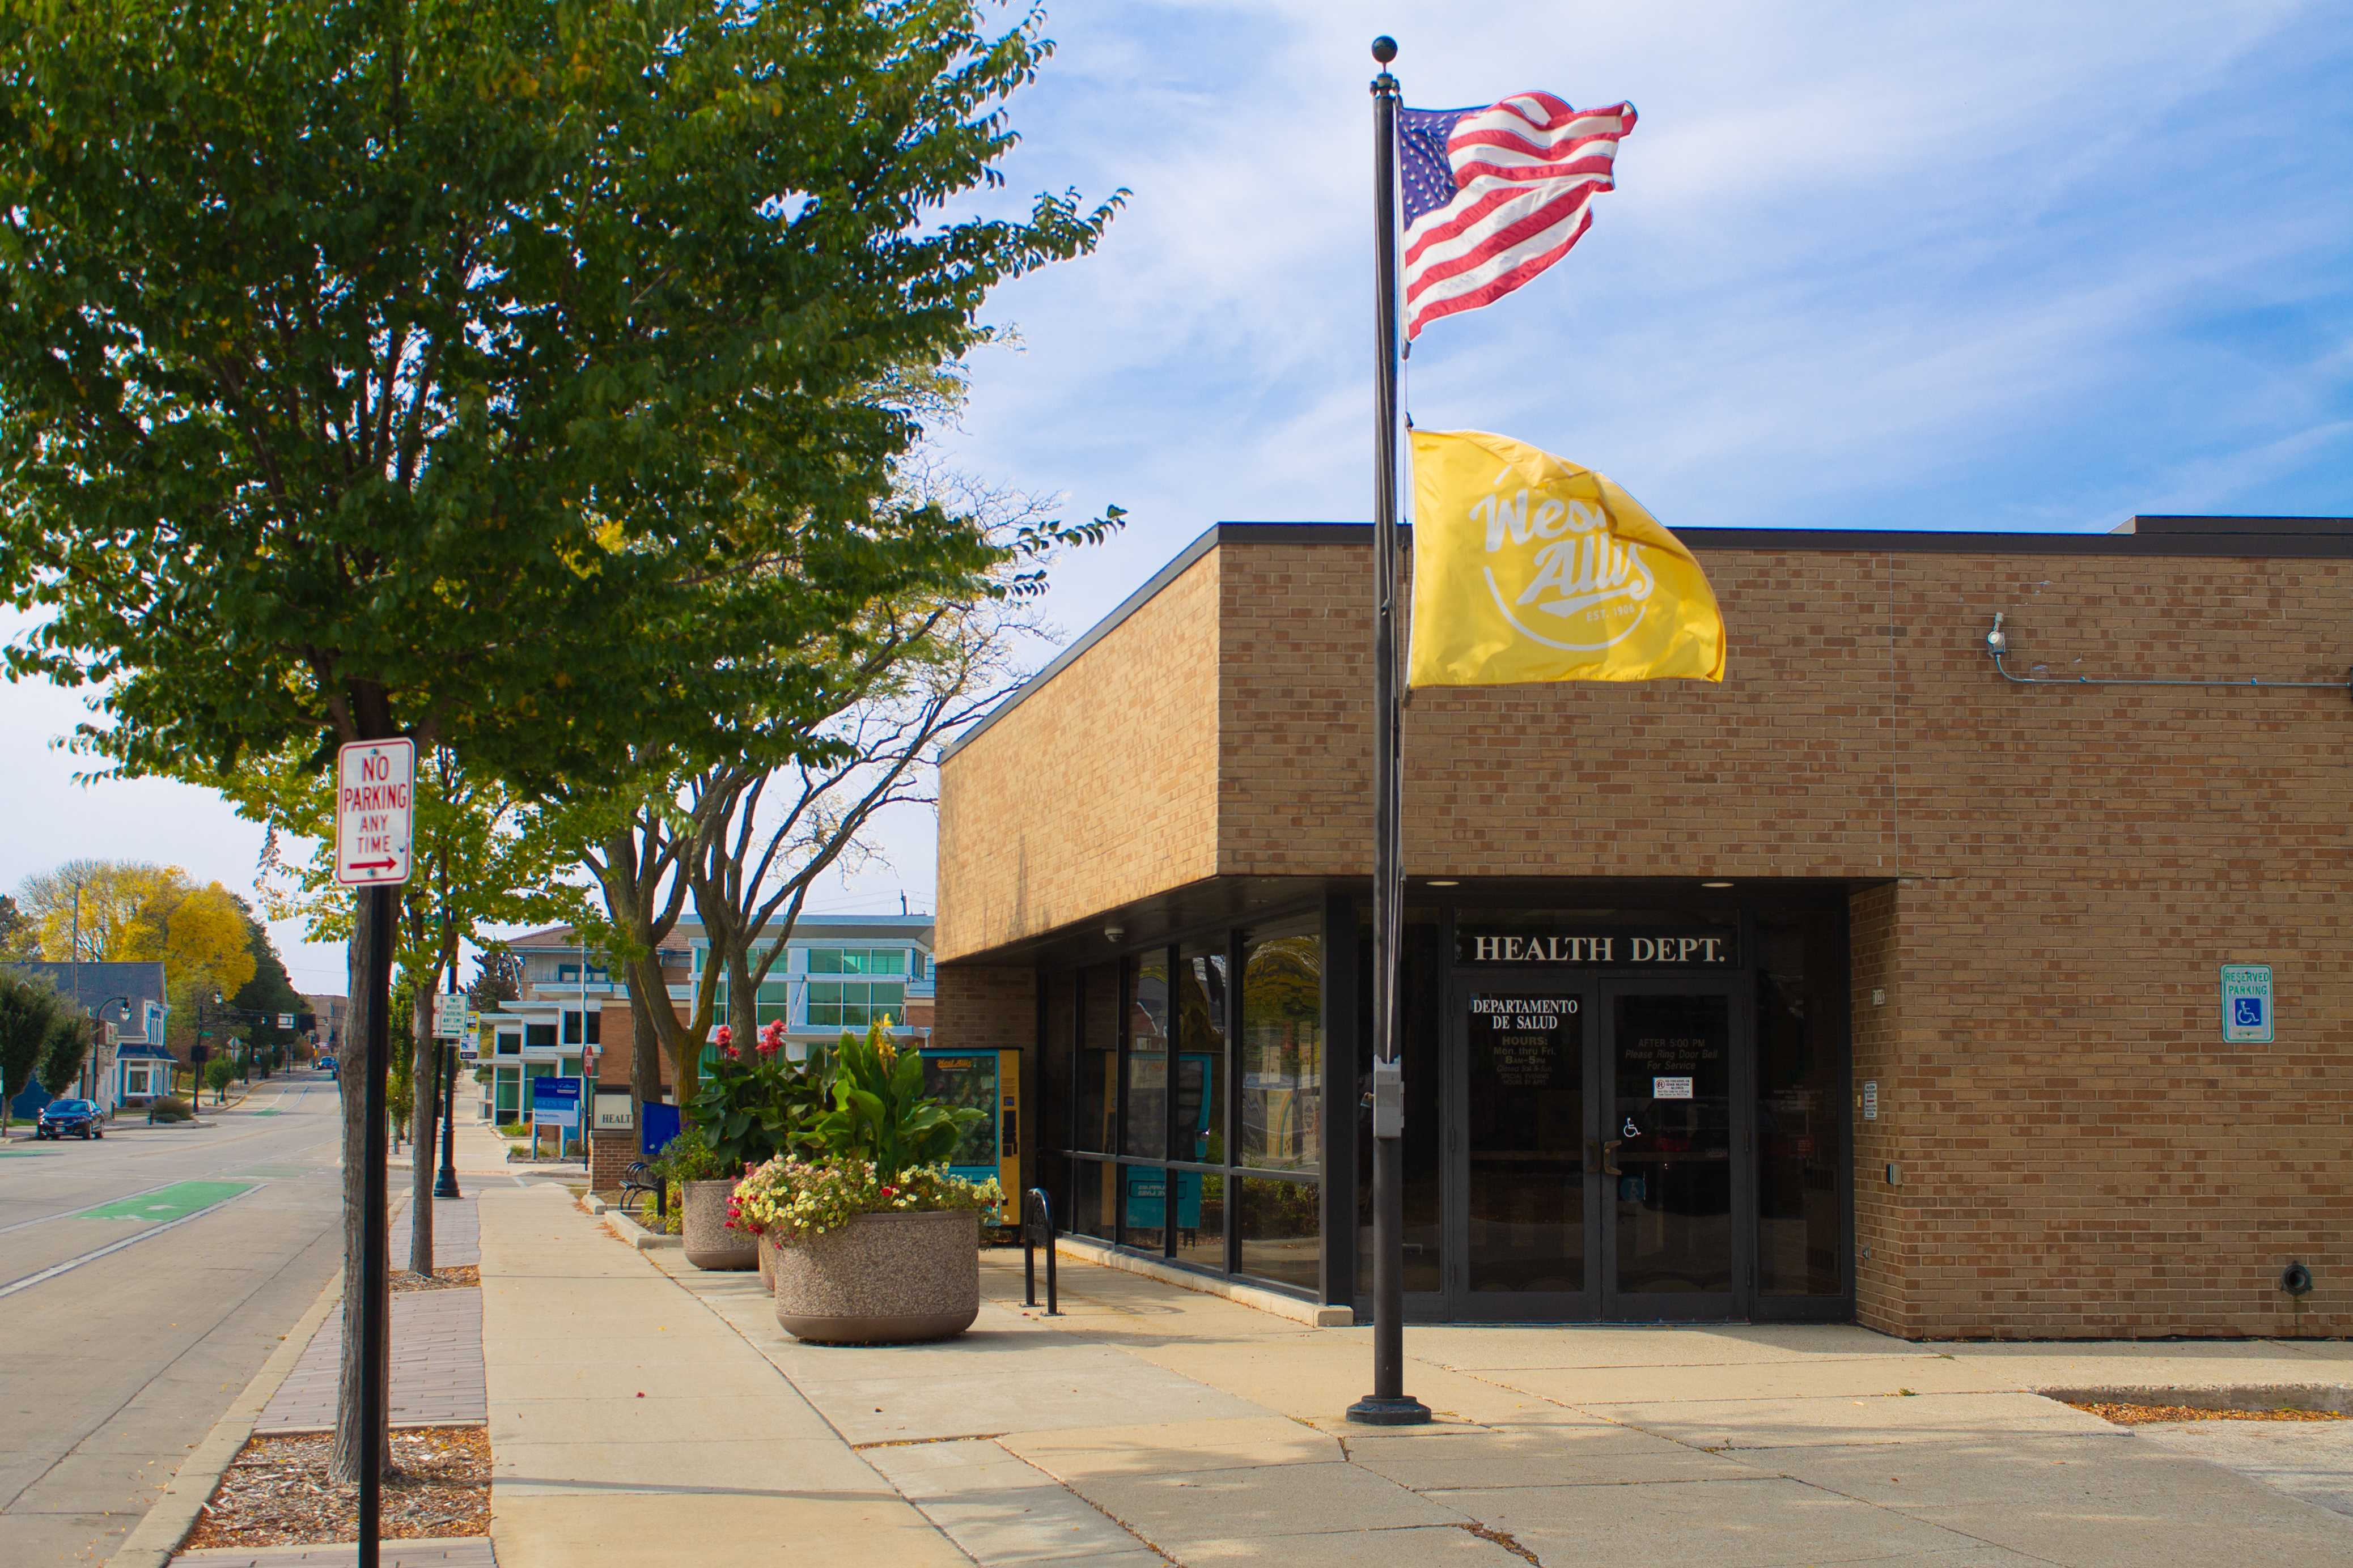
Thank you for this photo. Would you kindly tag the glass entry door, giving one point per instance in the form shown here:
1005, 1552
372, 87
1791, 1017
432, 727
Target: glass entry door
1526, 1205
1593, 1173
1675, 1183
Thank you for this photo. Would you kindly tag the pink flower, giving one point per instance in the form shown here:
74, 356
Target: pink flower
729, 1053
725, 1037
771, 1038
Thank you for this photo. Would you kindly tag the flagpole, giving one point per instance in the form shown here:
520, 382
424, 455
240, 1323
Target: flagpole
1388, 1404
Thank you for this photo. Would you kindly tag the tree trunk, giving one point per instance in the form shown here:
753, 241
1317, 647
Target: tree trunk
424, 1080
351, 1073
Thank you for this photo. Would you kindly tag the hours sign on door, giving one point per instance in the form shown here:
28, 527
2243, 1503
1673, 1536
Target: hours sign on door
374, 809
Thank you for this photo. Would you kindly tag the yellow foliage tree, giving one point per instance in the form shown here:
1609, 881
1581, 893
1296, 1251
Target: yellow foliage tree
133, 911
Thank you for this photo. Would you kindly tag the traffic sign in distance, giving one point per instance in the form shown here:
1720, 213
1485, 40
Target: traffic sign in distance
375, 810
448, 1016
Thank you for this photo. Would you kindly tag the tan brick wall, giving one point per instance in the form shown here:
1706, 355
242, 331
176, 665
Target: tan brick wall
994, 1008
2080, 1153
1099, 788
983, 1008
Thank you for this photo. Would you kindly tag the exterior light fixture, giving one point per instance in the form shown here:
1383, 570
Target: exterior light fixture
1113, 931
1435, 882
1716, 884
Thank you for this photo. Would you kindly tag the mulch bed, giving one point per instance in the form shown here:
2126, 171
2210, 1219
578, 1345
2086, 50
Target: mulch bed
2146, 1415
463, 1278
276, 1492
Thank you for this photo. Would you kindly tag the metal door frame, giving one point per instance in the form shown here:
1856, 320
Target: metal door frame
1736, 1304
1457, 1301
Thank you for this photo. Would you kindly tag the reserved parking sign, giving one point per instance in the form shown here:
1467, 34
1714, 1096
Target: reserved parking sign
2247, 1004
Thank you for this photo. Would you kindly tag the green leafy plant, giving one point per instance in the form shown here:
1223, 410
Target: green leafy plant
690, 1157
170, 1108
880, 1112
798, 1199
219, 1073
757, 1104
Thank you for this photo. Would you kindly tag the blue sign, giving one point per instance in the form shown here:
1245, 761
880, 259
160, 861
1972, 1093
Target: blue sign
2247, 1013
656, 1125
556, 1102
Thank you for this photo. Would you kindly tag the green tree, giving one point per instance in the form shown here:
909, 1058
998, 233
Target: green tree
485, 858
219, 1073
526, 378
30, 1009
66, 1050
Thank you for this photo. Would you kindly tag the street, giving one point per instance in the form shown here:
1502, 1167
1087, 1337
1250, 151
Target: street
144, 1279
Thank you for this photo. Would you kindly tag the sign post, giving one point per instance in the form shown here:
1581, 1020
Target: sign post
374, 813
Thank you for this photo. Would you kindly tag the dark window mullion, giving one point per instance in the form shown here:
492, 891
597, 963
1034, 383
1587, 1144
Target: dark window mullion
1236, 955
1174, 1027
1118, 1139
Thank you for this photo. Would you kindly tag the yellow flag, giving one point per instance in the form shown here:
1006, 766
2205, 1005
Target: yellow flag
1528, 568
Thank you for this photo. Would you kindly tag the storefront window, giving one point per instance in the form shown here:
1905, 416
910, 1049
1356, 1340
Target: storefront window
1095, 1089
1800, 1071
1282, 1051
1201, 1217
1145, 1107
1282, 1231
1093, 1206
1143, 1214
1201, 1059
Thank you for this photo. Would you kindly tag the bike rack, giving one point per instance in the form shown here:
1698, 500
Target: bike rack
1037, 1219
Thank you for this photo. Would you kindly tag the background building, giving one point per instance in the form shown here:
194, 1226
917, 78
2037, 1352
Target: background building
838, 971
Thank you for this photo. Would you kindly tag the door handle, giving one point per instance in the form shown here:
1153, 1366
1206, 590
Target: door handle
1592, 1157
1609, 1157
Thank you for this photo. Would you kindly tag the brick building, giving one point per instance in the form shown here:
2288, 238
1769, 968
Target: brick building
1872, 984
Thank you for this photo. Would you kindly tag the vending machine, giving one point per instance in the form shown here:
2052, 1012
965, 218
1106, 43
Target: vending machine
987, 1081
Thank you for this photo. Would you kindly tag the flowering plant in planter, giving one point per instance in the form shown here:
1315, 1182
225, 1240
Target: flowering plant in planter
793, 1200
883, 1151
756, 1104
879, 1108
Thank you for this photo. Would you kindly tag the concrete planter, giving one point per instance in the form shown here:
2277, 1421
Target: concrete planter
882, 1278
709, 1242
769, 1261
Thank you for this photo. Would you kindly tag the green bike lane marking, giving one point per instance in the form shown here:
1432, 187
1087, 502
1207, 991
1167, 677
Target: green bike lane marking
175, 1202
235, 1190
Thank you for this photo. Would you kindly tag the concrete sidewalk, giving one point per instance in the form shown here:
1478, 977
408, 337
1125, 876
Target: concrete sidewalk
654, 1413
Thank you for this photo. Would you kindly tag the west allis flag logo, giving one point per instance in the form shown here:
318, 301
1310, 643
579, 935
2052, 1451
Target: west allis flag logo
1527, 568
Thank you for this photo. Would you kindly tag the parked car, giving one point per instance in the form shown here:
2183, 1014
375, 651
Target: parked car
326, 1064
77, 1118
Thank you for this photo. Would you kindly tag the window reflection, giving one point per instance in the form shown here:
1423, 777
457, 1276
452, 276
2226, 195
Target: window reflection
1145, 1108
1801, 1073
1282, 1231
1282, 1052
1201, 1062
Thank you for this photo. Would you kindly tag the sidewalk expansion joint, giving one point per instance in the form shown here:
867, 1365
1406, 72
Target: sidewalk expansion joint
920, 1442
1502, 1538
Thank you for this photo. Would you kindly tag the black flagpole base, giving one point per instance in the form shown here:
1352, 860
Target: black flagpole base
1403, 1410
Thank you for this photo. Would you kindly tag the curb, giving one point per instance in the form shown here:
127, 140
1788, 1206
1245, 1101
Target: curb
154, 1540
1273, 1302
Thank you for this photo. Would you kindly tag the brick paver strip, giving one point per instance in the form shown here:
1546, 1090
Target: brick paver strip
471, 1552
436, 1368
457, 1232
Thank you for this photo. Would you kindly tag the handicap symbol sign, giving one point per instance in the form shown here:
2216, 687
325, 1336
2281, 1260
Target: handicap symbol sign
2247, 1011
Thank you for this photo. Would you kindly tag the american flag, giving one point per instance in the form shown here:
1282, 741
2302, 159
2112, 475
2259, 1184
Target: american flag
1495, 196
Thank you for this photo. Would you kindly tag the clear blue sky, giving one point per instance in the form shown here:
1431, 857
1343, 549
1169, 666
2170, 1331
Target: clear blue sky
1936, 266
